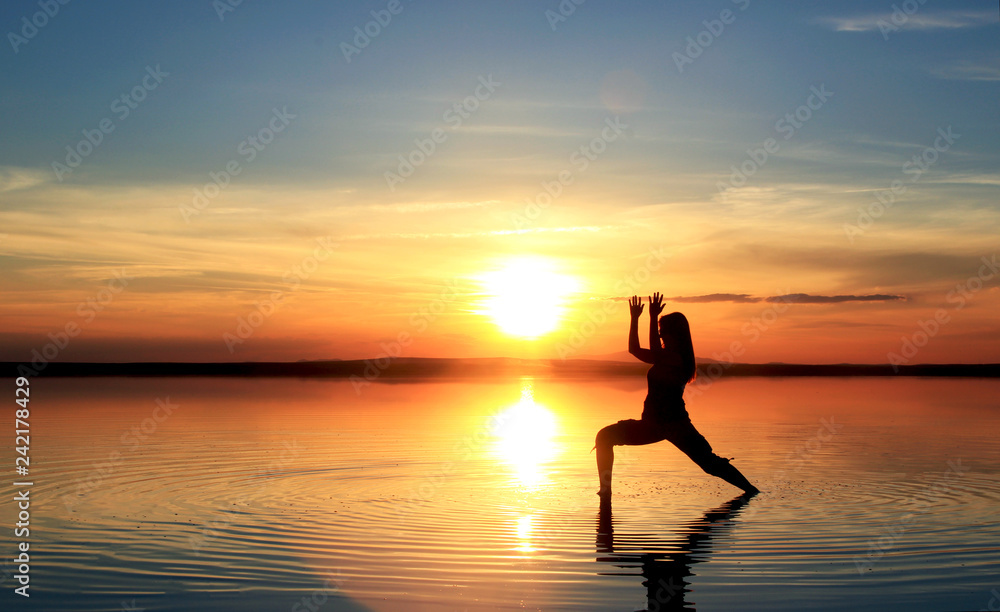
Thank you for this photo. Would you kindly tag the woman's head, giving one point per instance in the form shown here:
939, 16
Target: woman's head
675, 333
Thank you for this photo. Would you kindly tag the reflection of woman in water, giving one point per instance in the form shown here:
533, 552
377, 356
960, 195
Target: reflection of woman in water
664, 416
666, 564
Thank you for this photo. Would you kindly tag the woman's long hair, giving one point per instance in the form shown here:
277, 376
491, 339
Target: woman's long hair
676, 325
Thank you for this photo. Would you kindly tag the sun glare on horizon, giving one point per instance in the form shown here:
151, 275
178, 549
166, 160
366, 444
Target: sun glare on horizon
526, 297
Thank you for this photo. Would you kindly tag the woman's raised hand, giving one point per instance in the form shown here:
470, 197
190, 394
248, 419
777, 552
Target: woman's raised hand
635, 307
655, 305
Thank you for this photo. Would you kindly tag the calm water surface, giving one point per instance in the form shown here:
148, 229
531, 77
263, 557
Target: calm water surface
879, 494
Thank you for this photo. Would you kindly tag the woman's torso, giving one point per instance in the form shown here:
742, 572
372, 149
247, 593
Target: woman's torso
665, 398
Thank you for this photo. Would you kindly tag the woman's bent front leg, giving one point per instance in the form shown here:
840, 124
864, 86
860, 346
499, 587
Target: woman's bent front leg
628, 432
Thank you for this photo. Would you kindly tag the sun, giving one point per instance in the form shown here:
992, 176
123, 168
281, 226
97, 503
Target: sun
526, 296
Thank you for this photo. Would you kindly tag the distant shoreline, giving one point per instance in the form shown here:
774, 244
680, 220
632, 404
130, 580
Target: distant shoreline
415, 367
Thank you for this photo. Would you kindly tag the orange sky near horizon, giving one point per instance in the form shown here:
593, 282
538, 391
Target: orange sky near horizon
346, 281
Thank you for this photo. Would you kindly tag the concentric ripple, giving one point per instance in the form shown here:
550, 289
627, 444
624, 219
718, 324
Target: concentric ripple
262, 494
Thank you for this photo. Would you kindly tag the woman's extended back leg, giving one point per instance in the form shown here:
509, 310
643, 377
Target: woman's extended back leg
690, 441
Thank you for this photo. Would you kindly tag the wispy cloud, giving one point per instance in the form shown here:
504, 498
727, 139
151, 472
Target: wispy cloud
969, 70
949, 20
968, 179
790, 298
739, 298
480, 234
13, 178
417, 207
805, 298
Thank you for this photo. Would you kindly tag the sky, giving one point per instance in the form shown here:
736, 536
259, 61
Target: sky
196, 181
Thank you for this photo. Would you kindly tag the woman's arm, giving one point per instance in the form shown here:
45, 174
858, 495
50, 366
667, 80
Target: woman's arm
655, 308
635, 310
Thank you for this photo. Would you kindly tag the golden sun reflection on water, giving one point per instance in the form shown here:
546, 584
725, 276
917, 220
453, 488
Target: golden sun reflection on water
523, 528
525, 438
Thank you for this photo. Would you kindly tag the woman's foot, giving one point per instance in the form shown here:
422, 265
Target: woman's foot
604, 493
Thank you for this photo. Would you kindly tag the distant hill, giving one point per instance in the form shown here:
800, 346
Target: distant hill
627, 357
501, 367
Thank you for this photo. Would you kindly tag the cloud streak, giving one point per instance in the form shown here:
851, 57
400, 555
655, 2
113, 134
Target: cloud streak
966, 70
13, 178
738, 298
945, 20
805, 298
790, 298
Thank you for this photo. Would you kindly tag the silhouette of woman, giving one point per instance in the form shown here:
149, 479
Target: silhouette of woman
664, 416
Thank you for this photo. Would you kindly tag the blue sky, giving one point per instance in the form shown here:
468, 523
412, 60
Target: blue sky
227, 75
659, 183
